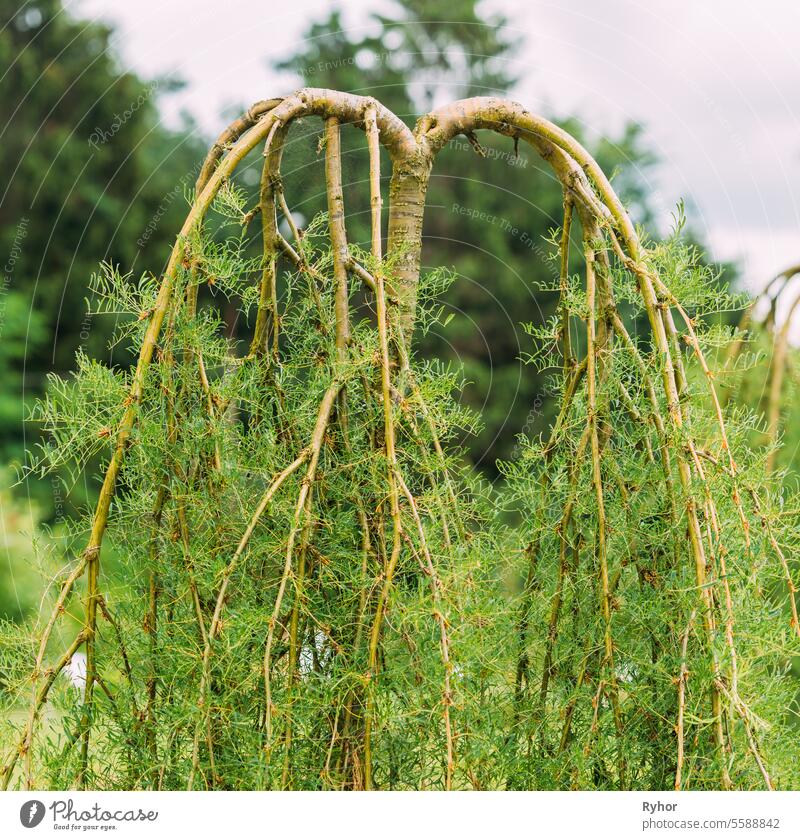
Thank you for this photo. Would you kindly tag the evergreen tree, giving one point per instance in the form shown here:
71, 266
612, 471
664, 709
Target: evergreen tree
89, 174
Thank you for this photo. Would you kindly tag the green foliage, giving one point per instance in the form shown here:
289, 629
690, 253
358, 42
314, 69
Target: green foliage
759, 374
596, 720
535, 701
20, 546
90, 173
270, 416
21, 331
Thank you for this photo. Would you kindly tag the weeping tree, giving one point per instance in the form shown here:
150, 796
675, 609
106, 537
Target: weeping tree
313, 591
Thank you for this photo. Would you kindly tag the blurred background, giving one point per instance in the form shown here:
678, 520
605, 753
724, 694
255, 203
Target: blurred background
108, 109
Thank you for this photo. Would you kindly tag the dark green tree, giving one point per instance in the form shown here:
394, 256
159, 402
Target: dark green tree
89, 174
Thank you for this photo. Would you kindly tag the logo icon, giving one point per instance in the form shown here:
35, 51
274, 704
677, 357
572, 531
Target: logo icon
31, 813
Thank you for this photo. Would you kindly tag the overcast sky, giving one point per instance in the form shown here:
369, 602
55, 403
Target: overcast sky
716, 83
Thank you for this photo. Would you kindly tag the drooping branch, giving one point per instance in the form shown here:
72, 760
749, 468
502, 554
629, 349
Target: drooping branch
590, 390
